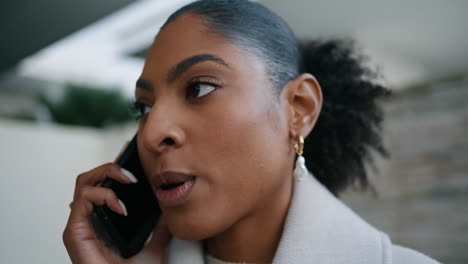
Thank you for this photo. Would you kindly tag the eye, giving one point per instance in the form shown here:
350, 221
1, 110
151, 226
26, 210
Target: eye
139, 109
199, 89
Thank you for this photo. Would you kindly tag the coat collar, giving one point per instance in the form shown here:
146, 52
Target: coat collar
319, 228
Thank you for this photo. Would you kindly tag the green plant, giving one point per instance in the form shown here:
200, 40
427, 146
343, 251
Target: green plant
88, 106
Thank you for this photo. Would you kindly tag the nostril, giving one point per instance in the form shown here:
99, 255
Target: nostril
168, 141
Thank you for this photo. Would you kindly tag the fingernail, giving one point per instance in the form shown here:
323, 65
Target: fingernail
129, 175
122, 205
149, 238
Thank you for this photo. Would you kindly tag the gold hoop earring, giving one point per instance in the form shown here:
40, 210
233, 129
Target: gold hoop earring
299, 146
300, 170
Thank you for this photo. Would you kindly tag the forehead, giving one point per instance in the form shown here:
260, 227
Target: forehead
187, 36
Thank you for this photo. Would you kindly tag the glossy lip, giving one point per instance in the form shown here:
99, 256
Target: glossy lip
175, 196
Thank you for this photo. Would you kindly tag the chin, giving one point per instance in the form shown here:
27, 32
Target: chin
191, 232
195, 227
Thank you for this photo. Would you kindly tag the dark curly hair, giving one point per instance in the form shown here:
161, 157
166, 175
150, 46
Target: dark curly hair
348, 128
349, 125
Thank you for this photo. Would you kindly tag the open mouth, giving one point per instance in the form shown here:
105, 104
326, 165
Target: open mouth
174, 189
173, 181
171, 186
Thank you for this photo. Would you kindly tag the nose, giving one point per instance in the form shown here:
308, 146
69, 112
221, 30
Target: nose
162, 130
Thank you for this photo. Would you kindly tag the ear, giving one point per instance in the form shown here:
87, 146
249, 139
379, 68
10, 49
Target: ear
303, 97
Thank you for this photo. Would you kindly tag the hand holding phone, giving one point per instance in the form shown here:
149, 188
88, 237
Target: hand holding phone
128, 234
79, 235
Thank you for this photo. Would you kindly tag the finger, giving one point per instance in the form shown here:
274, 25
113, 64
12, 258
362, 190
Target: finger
161, 228
99, 174
160, 238
89, 196
156, 244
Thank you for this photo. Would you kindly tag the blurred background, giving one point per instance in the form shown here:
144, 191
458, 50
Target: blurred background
67, 73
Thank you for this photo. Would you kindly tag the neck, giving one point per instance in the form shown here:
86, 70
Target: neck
254, 238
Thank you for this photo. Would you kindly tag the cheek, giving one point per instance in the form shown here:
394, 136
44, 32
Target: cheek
242, 125
242, 149
240, 138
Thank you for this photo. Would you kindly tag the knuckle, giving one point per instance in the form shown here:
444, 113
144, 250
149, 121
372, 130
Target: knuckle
82, 193
112, 168
79, 179
108, 169
110, 165
109, 195
65, 236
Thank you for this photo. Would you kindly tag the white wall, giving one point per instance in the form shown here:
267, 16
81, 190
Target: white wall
38, 167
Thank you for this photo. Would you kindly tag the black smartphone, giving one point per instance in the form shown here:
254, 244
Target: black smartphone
128, 234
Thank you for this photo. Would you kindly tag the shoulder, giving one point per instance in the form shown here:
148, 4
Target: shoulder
402, 255
336, 234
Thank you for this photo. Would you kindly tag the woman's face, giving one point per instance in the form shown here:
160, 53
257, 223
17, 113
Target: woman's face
211, 122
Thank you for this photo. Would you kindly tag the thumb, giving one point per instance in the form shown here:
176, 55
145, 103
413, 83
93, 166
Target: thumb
160, 236
157, 243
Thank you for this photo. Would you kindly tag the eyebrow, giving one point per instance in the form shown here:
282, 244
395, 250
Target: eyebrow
182, 67
185, 64
144, 84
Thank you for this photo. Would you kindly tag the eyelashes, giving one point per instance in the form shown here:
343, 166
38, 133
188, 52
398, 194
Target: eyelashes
195, 89
199, 89
138, 109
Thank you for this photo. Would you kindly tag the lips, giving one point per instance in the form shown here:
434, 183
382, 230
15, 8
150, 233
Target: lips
173, 188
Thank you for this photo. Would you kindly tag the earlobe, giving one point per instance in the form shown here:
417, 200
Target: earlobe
304, 97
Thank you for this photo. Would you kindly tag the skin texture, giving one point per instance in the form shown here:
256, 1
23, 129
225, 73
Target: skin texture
237, 139
79, 238
240, 130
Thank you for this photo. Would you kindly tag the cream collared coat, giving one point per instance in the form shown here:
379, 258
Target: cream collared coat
319, 229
